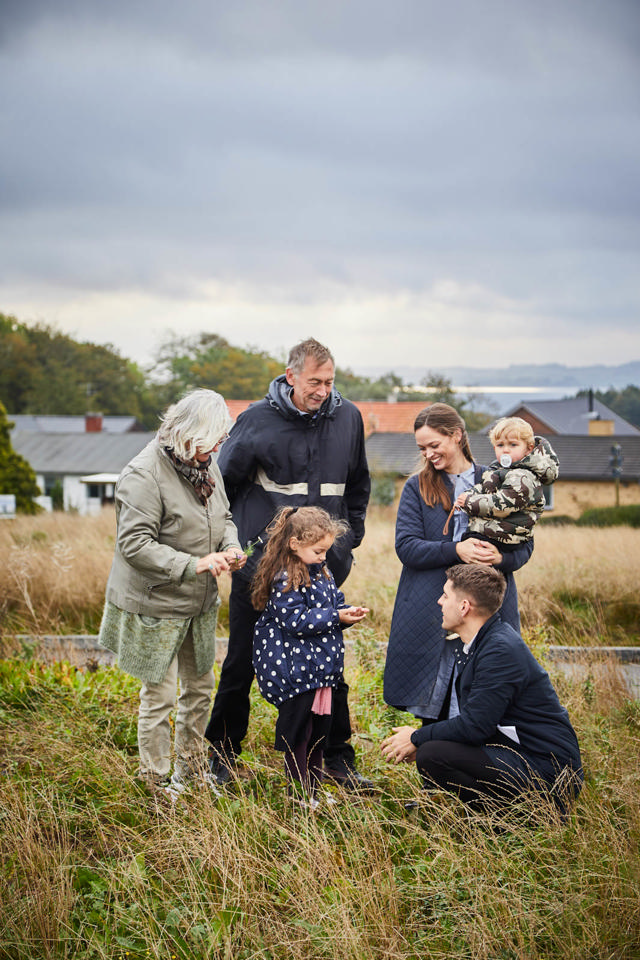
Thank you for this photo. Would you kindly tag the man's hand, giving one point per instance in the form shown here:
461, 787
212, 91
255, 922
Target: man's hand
398, 747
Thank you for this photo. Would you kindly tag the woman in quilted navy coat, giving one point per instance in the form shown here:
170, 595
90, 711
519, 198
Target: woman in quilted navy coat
419, 664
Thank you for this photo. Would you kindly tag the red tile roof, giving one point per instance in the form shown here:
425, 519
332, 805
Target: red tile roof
382, 417
236, 407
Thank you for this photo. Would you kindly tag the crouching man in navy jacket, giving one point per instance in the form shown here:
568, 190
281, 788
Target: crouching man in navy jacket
502, 729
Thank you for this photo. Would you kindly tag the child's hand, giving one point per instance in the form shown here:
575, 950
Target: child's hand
352, 614
462, 499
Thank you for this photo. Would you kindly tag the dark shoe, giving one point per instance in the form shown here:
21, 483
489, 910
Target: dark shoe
222, 771
346, 775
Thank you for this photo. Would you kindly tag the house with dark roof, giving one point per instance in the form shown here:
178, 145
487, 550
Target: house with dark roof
89, 423
84, 454
86, 465
586, 478
575, 416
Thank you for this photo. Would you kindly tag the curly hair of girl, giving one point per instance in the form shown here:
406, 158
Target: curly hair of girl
305, 524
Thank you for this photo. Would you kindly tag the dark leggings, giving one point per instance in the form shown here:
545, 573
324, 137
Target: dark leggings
304, 763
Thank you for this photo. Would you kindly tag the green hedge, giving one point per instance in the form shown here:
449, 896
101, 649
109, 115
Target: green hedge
628, 516
556, 520
383, 488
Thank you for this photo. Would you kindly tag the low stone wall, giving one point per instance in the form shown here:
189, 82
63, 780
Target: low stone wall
580, 662
84, 651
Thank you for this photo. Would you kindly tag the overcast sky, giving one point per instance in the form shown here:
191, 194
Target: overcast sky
413, 182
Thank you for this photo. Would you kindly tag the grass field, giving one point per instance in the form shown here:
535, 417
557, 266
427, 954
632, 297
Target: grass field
95, 867
580, 587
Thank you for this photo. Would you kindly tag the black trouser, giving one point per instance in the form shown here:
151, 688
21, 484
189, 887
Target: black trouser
229, 719
470, 771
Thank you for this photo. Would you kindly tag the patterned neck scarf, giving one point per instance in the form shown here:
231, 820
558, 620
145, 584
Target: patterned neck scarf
196, 473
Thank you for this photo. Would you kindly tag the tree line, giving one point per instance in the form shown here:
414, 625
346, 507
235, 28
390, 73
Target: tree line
44, 371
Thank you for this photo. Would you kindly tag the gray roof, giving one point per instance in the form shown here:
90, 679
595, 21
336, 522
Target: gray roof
54, 424
581, 458
571, 416
78, 453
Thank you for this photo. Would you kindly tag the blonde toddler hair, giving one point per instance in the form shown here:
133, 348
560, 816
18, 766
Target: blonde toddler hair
513, 427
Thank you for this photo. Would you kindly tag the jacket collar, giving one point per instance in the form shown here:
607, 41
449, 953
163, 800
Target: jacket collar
484, 629
279, 396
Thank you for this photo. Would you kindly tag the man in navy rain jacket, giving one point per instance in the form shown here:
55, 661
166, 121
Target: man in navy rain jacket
302, 445
502, 729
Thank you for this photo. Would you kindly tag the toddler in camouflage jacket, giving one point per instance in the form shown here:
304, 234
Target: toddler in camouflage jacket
504, 506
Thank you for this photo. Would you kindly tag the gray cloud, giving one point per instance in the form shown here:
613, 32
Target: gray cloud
376, 145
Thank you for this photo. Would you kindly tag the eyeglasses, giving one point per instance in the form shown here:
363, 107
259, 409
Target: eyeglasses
221, 441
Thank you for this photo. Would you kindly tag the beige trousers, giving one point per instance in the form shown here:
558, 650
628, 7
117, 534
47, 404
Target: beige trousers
157, 700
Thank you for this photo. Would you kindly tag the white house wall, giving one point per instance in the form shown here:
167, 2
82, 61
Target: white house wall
75, 494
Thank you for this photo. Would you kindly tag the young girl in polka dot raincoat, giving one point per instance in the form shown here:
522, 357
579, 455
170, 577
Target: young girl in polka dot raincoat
298, 652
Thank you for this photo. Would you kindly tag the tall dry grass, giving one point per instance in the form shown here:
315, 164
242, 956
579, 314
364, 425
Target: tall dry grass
94, 867
580, 585
54, 571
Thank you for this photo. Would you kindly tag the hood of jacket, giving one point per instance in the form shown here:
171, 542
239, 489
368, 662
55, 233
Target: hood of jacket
279, 397
542, 462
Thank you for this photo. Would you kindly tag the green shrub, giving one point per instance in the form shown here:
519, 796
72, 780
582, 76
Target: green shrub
556, 520
628, 516
383, 489
16, 475
57, 496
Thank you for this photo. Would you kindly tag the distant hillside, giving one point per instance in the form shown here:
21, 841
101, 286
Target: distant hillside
599, 376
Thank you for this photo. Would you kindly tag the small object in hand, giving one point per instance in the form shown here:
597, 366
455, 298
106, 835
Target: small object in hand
210, 566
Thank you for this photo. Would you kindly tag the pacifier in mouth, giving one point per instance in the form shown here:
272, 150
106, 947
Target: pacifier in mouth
505, 460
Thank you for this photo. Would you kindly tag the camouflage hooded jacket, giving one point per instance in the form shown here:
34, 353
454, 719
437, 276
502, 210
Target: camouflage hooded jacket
506, 504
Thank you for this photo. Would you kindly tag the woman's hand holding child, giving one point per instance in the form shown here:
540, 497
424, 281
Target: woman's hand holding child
473, 550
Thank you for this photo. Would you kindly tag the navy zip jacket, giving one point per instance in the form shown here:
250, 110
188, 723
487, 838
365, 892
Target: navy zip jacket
503, 684
277, 456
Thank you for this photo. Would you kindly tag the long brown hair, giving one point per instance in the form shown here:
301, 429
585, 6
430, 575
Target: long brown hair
306, 524
444, 420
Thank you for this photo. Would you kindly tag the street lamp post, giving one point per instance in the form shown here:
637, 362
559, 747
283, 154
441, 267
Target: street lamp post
615, 462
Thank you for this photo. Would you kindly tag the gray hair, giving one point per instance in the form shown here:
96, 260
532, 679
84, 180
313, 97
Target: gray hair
196, 422
308, 348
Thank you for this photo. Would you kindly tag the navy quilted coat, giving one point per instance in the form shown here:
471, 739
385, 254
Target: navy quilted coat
419, 664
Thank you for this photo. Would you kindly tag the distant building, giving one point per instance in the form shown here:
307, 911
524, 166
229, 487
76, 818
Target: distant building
575, 416
89, 423
585, 480
87, 462
86, 465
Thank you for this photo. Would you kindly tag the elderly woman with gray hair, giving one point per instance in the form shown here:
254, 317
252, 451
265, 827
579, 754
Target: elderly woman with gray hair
175, 535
